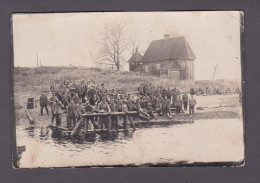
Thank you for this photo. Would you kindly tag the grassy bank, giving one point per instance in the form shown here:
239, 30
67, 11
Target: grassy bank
28, 82
35, 79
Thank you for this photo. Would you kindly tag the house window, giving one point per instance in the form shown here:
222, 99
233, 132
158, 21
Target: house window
158, 66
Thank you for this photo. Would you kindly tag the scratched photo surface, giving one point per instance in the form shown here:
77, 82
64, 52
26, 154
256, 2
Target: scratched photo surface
128, 89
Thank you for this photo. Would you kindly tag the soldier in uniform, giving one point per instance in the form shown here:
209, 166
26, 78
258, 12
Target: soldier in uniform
89, 109
51, 102
114, 119
79, 111
178, 104
192, 103
57, 111
102, 91
102, 108
185, 100
146, 99
167, 106
71, 114
44, 103
126, 117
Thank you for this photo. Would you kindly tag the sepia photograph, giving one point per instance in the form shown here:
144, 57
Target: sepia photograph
128, 89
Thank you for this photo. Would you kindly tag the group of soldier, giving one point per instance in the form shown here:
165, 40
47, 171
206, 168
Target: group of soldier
80, 98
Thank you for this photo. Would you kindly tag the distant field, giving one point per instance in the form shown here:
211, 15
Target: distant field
37, 79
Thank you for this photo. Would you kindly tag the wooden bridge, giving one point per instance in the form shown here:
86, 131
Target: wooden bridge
137, 123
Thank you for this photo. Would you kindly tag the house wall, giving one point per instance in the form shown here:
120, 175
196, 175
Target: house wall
133, 65
186, 69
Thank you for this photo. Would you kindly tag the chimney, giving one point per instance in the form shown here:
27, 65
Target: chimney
136, 50
166, 36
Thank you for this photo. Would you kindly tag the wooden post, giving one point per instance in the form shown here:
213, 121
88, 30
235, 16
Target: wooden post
75, 130
108, 127
29, 117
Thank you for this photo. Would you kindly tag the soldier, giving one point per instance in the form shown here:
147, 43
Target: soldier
119, 103
51, 102
44, 103
89, 109
154, 102
79, 111
114, 119
102, 91
75, 98
102, 108
167, 106
91, 95
126, 117
57, 111
141, 88
146, 99
71, 114
192, 103
178, 104
158, 107
185, 100
150, 111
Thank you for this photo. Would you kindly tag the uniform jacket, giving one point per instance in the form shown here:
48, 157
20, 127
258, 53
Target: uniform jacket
192, 102
71, 110
57, 107
185, 98
43, 100
103, 106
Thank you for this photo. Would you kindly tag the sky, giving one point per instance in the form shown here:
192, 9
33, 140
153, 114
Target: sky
61, 39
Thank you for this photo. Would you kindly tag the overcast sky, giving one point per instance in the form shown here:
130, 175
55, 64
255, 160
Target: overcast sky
62, 39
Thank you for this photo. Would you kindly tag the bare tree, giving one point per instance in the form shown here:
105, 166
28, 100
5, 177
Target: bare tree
113, 44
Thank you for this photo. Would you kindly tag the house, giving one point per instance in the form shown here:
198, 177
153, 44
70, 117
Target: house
170, 57
135, 61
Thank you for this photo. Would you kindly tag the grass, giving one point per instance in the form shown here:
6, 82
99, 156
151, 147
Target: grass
42, 78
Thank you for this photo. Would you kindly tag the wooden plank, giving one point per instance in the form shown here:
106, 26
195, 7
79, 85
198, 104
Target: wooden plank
109, 114
29, 117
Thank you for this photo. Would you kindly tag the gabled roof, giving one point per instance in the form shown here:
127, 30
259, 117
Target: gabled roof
136, 57
175, 48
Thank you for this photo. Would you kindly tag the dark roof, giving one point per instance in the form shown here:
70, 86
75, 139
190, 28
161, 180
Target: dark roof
136, 57
175, 48
171, 65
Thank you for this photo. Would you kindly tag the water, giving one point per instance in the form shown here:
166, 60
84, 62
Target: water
202, 141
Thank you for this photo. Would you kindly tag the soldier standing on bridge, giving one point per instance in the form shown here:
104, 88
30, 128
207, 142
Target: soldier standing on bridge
89, 109
114, 119
103, 107
71, 114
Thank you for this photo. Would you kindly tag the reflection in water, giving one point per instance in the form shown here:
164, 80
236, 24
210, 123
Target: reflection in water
202, 141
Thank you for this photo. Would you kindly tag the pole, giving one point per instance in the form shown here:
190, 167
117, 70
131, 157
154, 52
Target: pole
214, 71
37, 61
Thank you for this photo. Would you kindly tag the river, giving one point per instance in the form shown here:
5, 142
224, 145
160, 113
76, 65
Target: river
219, 140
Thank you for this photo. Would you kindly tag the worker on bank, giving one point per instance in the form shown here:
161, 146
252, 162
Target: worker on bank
185, 100
57, 112
192, 103
51, 102
44, 103
178, 104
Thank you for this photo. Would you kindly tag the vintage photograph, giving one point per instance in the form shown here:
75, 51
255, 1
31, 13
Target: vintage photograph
134, 89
